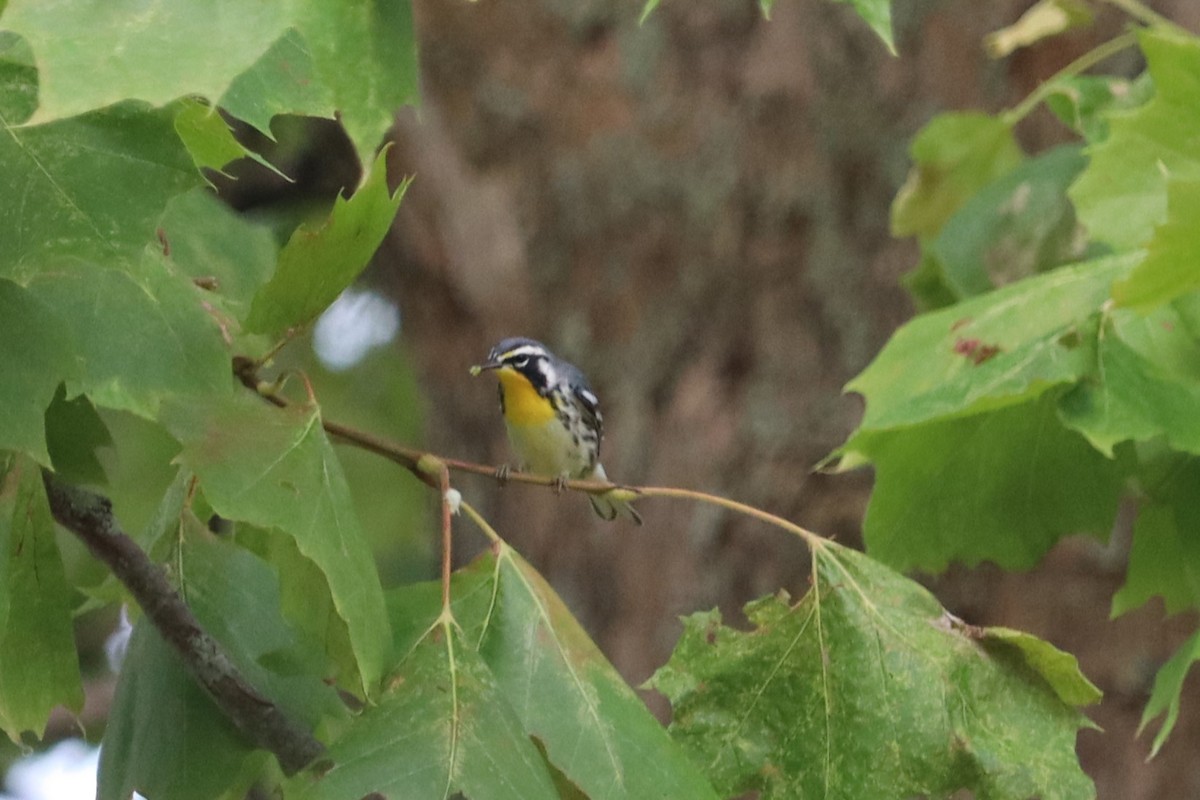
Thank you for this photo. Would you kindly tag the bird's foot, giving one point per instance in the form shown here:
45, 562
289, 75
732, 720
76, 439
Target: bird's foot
502, 472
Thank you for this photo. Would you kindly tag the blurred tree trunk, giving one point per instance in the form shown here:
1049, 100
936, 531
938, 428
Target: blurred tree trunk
695, 211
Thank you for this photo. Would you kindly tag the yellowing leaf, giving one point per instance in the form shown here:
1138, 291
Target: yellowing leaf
1045, 19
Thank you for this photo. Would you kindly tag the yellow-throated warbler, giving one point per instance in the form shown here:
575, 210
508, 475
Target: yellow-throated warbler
552, 416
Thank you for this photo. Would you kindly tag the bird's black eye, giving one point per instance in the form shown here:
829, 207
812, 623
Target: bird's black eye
521, 363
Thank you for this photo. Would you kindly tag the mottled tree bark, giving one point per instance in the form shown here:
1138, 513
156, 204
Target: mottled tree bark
695, 211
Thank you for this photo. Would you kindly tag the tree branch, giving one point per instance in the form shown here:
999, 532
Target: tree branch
246, 371
430, 469
89, 516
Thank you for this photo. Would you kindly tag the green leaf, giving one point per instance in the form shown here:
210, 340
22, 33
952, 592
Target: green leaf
647, 10
209, 138
90, 187
1147, 384
441, 727
1168, 691
876, 13
1084, 102
867, 688
18, 80
566, 694
305, 598
1016, 226
164, 728
74, 432
211, 243
1122, 195
159, 538
953, 156
569, 699
282, 81
994, 350
38, 353
236, 596
165, 737
1165, 557
1002, 486
320, 261
163, 531
380, 394
306, 56
39, 668
140, 468
365, 52
275, 468
1057, 668
1170, 266
927, 284
93, 53
142, 331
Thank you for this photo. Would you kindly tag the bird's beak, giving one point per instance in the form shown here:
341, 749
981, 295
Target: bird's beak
478, 368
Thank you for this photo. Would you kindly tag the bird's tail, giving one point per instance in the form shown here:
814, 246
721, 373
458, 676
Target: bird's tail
608, 506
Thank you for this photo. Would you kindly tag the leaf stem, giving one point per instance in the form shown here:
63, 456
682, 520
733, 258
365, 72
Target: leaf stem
814, 541
287, 337
1145, 15
482, 523
1085, 62
444, 480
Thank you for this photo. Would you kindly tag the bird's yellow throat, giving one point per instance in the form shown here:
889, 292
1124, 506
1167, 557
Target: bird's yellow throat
522, 403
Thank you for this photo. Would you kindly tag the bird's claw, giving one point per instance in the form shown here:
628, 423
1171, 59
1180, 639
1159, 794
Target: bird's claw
502, 472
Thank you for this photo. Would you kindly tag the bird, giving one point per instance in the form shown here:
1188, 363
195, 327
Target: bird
552, 417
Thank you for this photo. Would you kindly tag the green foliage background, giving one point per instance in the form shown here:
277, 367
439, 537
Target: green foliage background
1055, 373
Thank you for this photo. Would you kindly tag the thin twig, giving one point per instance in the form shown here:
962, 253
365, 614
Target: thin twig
1085, 62
89, 516
444, 480
410, 457
1146, 15
427, 467
814, 541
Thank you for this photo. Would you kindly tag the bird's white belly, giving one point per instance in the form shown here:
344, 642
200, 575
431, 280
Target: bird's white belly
547, 449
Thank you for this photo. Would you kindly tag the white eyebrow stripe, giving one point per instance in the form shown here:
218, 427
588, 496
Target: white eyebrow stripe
523, 350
